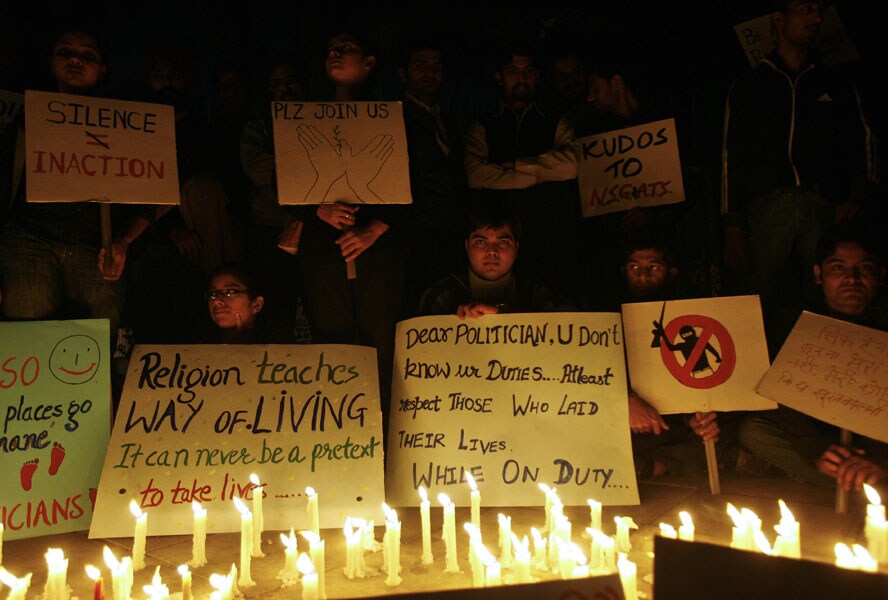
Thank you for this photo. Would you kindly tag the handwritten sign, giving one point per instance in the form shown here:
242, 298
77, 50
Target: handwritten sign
350, 151
623, 169
697, 355
81, 148
758, 39
56, 408
514, 400
195, 421
10, 106
833, 371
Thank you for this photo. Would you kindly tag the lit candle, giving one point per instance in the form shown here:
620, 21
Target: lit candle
56, 587
741, 534
289, 575
475, 501
522, 559
505, 540
392, 545
354, 549
787, 542
566, 560
624, 524
314, 520
492, 570
233, 590
686, 530
185, 573
562, 532
120, 589
845, 557
581, 567
157, 590
876, 528
475, 560
539, 550
246, 545
449, 534
309, 578
668, 531
258, 518
865, 561
608, 560
139, 535
752, 519
222, 585
425, 519
761, 542
318, 559
98, 585
594, 514
199, 538
18, 587
549, 494
628, 577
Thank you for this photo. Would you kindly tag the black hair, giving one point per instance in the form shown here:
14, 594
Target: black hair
647, 238
414, 45
848, 234
85, 28
359, 34
633, 72
493, 215
515, 48
242, 274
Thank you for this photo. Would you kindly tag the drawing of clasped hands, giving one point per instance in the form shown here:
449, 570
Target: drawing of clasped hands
330, 164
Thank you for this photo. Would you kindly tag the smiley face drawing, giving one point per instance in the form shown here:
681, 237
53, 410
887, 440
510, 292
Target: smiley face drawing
75, 359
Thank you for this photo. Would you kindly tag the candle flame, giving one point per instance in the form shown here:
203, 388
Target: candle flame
625, 522
241, 507
311, 537
736, 516
444, 499
537, 537
304, 564
503, 520
289, 541
391, 516
254, 479
578, 555
762, 542
422, 494
197, 508
8, 578
668, 531
92, 572
134, 508
471, 530
471, 481
544, 488
55, 559
593, 503
865, 560
686, 519
751, 518
183, 570
521, 546
871, 494
844, 556
220, 582
483, 553
110, 559
310, 491
786, 516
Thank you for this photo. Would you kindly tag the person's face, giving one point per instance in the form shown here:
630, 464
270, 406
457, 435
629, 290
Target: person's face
492, 252
77, 62
232, 90
347, 63
285, 85
603, 93
645, 272
850, 279
801, 22
519, 79
166, 81
569, 78
424, 74
234, 311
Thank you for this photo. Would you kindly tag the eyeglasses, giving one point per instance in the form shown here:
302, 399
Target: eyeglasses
211, 295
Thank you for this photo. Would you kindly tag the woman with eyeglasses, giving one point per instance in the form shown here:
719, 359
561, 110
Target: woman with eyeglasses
235, 301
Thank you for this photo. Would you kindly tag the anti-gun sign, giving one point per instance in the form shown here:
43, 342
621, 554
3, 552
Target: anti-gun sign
623, 169
196, 421
82, 148
350, 151
55, 397
514, 400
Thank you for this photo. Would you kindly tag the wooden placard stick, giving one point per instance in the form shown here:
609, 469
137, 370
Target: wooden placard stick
712, 467
841, 494
105, 212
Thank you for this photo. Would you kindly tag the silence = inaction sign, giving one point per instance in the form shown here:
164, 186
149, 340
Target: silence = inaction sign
55, 402
515, 400
350, 151
627, 168
195, 421
81, 148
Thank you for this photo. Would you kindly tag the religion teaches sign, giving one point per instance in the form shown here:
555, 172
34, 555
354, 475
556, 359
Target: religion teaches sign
55, 394
514, 401
350, 151
196, 421
83, 148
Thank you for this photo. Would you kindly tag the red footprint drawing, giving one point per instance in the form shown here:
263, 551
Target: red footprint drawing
56, 458
27, 473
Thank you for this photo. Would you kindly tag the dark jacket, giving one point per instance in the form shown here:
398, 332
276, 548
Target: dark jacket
525, 296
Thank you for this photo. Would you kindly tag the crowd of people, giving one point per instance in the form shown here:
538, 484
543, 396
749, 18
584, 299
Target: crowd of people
230, 264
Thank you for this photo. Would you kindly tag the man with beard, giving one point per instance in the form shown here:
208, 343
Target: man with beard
512, 155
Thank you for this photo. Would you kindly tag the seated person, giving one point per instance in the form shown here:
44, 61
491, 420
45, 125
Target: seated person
235, 303
849, 272
659, 443
490, 285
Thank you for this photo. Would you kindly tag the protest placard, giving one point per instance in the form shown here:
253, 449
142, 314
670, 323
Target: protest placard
833, 371
697, 355
514, 400
55, 395
600, 587
349, 151
758, 39
196, 421
10, 107
623, 169
82, 148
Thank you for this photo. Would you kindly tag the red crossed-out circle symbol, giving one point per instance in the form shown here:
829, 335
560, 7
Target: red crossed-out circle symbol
708, 328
